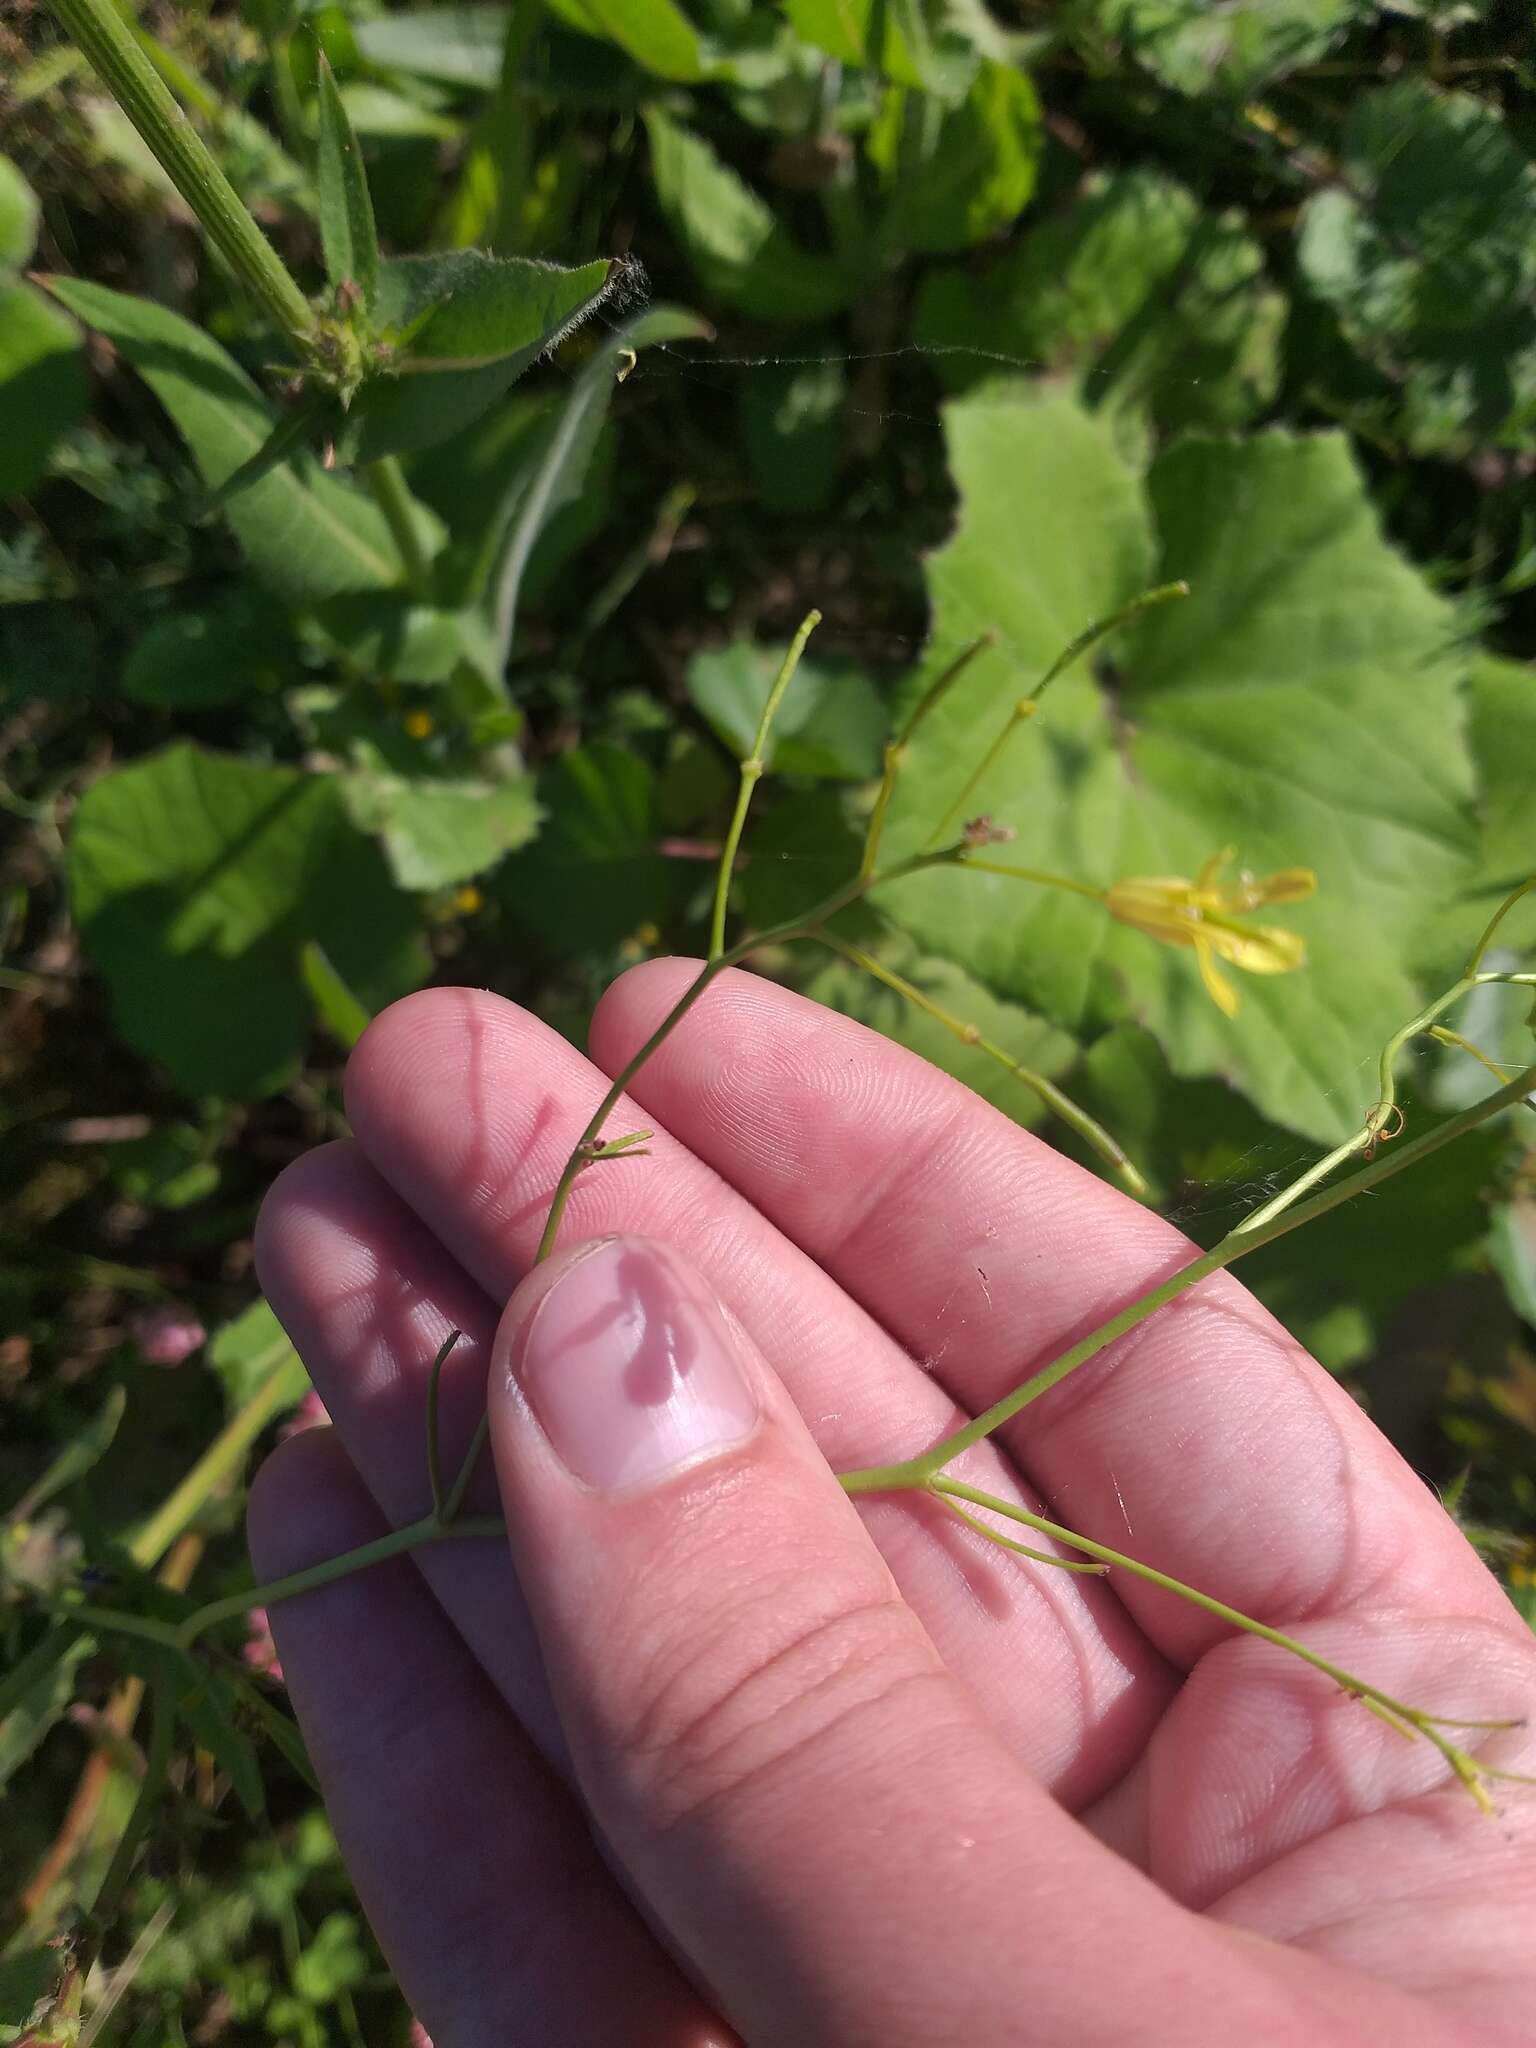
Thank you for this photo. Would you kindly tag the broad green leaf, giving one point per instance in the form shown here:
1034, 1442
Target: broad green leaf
1150, 300
335, 1005
979, 171
830, 724
559, 472
18, 217
307, 535
42, 384
1231, 50
196, 879
84, 1449
191, 660
1512, 1247
246, 1353
1028, 1039
594, 875
1300, 707
792, 424
459, 45
741, 251
466, 327
392, 117
347, 230
863, 32
1425, 248
438, 830
1501, 727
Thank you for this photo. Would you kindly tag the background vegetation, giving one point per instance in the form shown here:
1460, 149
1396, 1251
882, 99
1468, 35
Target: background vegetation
979, 321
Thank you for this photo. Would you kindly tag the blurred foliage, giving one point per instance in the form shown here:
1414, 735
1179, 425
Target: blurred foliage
429, 651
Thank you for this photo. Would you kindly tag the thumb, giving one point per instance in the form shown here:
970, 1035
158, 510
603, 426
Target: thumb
765, 1736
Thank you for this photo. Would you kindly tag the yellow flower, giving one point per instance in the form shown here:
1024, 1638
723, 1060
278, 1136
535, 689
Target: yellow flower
418, 725
467, 899
1205, 914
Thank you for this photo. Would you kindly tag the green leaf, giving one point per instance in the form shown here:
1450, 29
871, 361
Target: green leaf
466, 326
1028, 1039
196, 879
831, 723
210, 1706
347, 231
42, 384
863, 32
246, 1352
307, 535
459, 45
18, 217
792, 426
439, 830
1151, 300
36, 1690
980, 171
1301, 707
1501, 706
594, 875
27, 1978
335, 1005
193, 660
392, 637
1232, 50
740, 250
85, 1448
655, 33
1512, 1247
1425, 249
555, 480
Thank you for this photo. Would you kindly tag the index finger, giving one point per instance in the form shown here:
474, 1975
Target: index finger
1205, 1442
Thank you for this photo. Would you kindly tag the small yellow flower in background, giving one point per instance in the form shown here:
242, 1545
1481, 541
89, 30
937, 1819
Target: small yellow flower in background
418, 725
467, 900
1205, 914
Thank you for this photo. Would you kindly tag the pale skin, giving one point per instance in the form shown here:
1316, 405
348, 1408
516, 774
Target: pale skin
859, 1776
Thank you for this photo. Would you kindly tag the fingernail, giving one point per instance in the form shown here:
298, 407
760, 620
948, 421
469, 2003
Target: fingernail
630, 1367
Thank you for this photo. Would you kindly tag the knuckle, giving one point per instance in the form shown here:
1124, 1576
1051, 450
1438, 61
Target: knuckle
756, 1702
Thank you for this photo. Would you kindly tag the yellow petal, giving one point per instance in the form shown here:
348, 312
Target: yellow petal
1257, 949
1291, 885
1217, 987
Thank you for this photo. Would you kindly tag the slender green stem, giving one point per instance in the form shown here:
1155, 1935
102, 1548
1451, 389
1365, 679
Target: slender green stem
414, 1536
896, 749
118, 1621
1396, 1712
1498, 917
1027, 706
1064, 1564
1060, 1104
386, 481
434, 1444
1045, 879
218, 1464
919, 1470
751, 770
113, 48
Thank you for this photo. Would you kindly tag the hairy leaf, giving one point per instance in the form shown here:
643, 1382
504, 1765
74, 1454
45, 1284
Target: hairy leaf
307, 535
347, 230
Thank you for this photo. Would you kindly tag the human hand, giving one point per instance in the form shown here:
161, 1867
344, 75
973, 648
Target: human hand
863, 1777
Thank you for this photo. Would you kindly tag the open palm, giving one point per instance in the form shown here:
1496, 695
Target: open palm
699, 1755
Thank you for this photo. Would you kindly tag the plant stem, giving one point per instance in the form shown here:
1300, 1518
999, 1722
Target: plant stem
157, 1762
218, 1463
1088, 1128
110, 44
386, 481
919, 1470
751, 770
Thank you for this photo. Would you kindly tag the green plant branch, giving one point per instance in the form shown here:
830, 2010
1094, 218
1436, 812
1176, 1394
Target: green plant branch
896, 749
386, 482
1397, 1713
1088, 1128
114, 50
218, 1464
434, 1444
151, 1786
752, 768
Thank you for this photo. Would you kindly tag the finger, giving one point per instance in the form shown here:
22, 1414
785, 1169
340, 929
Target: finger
978, 1245
767, 1736
476, 1871
367, 1296
469, 1108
